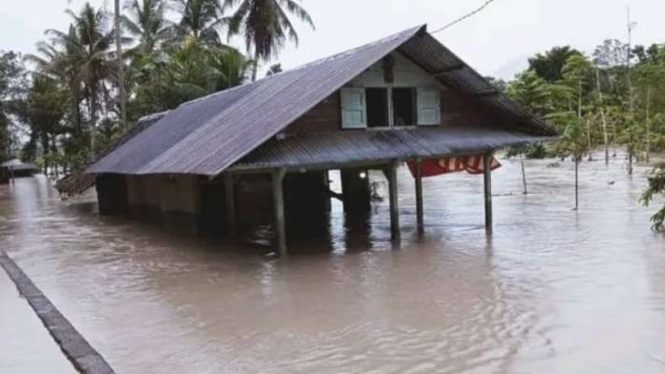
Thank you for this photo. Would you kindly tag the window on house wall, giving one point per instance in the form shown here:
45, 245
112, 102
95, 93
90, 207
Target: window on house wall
369, 107
377, 107
354, 114
429, 106
404, 106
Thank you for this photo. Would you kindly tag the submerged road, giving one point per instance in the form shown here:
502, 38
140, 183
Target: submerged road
553, 291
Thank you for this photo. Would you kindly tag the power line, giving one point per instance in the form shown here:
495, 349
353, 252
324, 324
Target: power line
482, 7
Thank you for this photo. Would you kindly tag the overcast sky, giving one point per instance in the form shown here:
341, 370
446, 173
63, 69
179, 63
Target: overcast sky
496, 42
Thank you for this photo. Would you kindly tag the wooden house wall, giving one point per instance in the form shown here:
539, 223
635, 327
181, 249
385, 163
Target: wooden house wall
456, 109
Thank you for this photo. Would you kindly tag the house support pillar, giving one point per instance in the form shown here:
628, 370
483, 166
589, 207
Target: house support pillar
420, 222
356, 190
487, 173
278, 210
391, 175
230, 205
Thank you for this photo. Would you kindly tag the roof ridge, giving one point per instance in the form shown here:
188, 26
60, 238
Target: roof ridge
311, 63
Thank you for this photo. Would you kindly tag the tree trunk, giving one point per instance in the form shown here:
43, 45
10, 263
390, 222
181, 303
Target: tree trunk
588, 135
648, 126
54, 149
602, 115
577, 200
121, 69
255, 68
526, 191
45, 151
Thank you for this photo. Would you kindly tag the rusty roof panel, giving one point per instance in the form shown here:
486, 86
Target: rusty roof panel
356, 146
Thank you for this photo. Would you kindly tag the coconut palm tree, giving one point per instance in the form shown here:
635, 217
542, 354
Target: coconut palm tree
147, 23
265, 25
53, 63
120, 64
81, 55
200, 22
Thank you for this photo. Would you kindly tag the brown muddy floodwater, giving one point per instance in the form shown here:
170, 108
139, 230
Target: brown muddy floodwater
554, 290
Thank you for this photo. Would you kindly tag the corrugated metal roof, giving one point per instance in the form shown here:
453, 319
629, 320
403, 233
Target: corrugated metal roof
348, 147
210, 134
438, 60
77, 182
18, 165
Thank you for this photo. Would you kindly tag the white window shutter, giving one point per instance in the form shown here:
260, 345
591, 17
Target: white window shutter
429, 106
354, 108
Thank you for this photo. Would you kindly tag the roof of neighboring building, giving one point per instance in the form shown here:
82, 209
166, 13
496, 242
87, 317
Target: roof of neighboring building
76, 183
349, 147
209, 135
18, 165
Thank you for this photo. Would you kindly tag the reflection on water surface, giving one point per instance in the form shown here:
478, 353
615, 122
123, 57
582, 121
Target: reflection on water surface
553, 291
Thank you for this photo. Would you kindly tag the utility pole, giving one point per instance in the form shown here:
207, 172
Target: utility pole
121, 69
631, 103
602, 115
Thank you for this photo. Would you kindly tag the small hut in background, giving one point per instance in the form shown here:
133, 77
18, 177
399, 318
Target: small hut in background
16, 169
215, 163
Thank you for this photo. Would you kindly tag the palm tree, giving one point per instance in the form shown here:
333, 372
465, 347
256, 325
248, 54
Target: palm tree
82, 57
147, 24
45, 111
200, 22
265, 25
120, 64
53, 63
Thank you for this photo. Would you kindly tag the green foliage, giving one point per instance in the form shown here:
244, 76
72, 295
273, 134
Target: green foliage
611, 53
147, 24
12, 87
531, 91
549, 65
274, 69
265, 24
656, 186
188, 73
174, 53
200, 22
574, 137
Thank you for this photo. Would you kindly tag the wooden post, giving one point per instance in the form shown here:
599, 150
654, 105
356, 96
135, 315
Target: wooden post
419, 198
278, 208
391, 175
487, 172
230, 196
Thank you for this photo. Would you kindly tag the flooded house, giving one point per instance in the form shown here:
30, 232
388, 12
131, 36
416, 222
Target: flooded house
15, 168
264, 150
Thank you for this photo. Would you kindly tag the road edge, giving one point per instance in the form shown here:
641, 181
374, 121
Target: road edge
75, 347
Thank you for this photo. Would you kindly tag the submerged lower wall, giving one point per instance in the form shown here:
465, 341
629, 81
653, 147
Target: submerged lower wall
195, 205
173, 202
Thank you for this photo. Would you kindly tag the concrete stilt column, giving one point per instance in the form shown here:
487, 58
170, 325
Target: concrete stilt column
487, 173
230, 206
420, 221
391, 175
278, 207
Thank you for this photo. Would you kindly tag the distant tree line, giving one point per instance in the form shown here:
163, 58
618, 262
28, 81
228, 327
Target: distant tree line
615, 97
61, 105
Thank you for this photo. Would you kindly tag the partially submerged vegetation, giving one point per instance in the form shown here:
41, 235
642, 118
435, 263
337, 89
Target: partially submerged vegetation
656, 186
62, 105
615, 98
